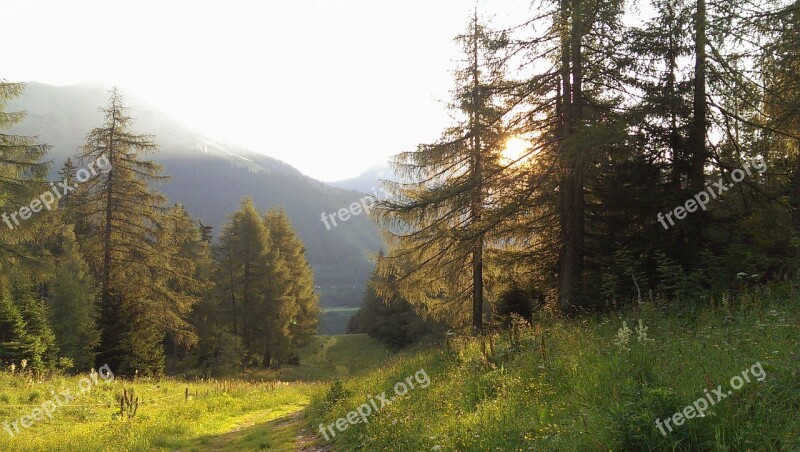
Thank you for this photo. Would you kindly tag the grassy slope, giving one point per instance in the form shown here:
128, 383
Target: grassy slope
242, 413
165, 421
330, 357
568, 387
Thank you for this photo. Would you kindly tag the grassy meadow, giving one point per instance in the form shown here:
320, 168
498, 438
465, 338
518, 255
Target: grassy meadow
220, 415
566, 385
251, 411
559, 385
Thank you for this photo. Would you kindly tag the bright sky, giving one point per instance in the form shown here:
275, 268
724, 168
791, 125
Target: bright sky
332, 87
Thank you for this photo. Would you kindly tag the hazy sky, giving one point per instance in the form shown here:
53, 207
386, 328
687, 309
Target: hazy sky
332, 87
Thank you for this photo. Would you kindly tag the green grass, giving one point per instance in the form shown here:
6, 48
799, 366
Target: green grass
335, 320
212, 417
566, 386
344, 310
329, 358
561, 385
249, 411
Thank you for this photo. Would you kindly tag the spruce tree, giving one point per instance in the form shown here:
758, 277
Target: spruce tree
187, 281
21, 180
390, 319
14, 340
42, 350
244, 243
72, 308
24, 331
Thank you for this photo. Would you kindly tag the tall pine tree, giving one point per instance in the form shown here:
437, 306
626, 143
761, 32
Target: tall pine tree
130, 255
437, 218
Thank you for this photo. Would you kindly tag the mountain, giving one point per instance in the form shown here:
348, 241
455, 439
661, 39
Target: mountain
210, 178
367, 182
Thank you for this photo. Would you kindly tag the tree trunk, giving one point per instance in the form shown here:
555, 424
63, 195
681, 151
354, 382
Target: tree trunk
477, 200
110, 318
674, 134
232, 281
699, 126
697, 180
571, 199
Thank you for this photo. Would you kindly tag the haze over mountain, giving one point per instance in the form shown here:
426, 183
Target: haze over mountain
367, 182
210, 178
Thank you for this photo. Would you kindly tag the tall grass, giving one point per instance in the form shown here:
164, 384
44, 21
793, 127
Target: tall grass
165, 419
571, 385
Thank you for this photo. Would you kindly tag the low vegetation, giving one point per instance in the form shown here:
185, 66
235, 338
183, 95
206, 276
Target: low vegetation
254, 410
216, 415
583, 385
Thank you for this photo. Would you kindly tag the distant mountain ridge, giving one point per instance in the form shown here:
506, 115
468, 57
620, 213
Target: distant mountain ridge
367, 182
210, 178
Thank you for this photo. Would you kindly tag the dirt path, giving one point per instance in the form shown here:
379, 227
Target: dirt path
308, 441
285, 434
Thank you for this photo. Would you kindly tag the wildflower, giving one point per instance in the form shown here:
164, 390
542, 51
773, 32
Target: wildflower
641, 333
623, 337
23, 364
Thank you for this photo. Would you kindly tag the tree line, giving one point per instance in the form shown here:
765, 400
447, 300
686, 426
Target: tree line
624, 120
115, 275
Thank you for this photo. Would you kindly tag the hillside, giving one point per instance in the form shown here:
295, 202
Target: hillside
367, 182
210, 178
587, 384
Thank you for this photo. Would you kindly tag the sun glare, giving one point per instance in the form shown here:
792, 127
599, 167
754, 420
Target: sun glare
515, 149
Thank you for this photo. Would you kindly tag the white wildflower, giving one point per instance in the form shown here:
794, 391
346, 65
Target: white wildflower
641, 333
623, 337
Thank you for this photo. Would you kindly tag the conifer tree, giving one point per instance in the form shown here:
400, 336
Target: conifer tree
255, 281
435, 223
21, 180
303, 326
187, 282
392, 320
72, 308
14, 341
264, 286
244, 243
42, 346
125, 245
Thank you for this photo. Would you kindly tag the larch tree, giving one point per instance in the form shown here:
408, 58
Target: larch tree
436, 218
571, 108
305, 322
255, 282
123, 240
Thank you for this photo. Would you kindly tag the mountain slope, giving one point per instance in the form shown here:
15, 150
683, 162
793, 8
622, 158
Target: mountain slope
210, 178
367, 182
